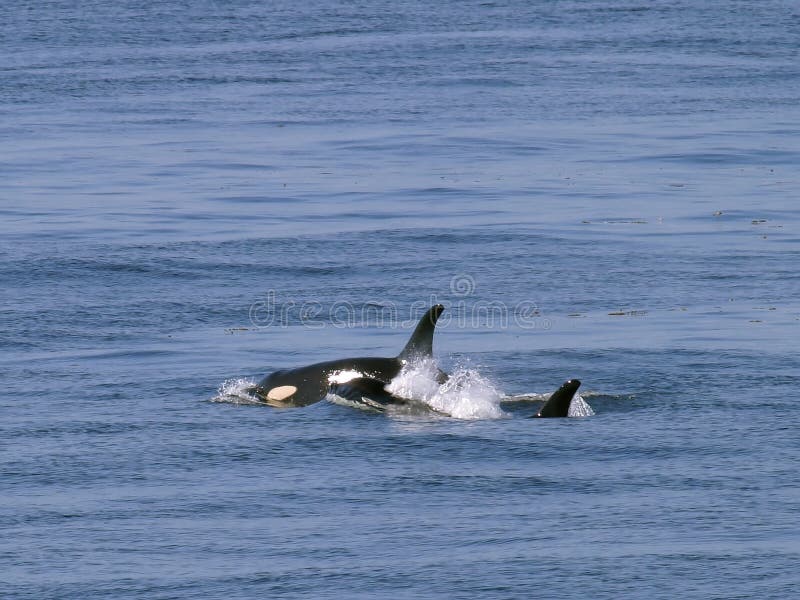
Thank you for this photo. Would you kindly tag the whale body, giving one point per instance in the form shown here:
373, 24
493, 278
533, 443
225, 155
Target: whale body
349, 377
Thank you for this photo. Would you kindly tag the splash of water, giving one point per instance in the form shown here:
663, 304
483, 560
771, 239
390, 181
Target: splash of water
579, 407
235, 391
465, 395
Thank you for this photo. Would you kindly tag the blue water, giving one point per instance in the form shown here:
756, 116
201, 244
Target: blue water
194, 194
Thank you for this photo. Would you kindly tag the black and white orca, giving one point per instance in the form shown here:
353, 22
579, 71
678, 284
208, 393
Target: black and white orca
350, 378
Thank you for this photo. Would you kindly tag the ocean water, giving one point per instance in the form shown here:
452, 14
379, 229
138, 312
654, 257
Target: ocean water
193, 194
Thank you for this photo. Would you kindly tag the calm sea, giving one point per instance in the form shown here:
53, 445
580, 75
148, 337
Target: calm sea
193, 194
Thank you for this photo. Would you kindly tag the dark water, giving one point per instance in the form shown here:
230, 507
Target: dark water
196, 193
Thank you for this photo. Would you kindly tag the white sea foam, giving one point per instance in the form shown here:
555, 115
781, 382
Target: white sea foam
465, 395
235, 391
579, 407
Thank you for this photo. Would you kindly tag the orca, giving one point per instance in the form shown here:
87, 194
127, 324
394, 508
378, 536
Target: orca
557, 405
361, 380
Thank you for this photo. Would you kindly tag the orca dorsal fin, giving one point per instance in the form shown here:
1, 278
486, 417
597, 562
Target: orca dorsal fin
421, 342
557, 404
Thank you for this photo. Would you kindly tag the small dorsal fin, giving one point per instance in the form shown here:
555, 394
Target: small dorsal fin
421, 342
557, 404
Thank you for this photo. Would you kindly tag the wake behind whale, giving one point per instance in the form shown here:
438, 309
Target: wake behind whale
465, 395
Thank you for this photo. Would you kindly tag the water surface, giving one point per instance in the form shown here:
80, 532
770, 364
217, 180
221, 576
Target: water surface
618, 181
